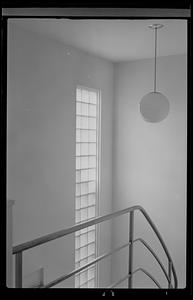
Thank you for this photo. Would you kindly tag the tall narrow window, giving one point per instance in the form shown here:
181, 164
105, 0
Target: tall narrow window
87, 183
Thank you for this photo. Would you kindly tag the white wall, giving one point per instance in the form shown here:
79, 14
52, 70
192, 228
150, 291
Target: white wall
150, 164
42, 79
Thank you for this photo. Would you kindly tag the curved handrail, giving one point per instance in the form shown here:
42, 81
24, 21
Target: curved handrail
64, 232
162, 243
137, 270
156, 257
148, 274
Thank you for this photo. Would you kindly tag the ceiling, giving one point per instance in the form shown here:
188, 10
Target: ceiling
115, 40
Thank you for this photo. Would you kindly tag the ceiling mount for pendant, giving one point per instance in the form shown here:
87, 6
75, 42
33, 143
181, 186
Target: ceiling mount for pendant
155, 26
154, 106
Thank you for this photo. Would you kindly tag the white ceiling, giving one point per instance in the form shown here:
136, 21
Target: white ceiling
115, 40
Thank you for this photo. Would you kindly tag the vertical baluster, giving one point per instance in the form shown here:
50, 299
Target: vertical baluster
131, 229
169, 273
18, 270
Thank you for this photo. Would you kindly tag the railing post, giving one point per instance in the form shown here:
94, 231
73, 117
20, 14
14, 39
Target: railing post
169, 273
131, 229
18, 270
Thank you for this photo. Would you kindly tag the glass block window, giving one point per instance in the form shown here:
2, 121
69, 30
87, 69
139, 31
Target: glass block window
87, 161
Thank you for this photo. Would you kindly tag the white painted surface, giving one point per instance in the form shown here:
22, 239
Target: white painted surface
150, 164
42, 79
34, 279
116, 40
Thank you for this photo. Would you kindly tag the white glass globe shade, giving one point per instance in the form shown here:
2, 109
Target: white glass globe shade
154, 107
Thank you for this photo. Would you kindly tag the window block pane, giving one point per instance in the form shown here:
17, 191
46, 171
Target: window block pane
92, 149
83, 231
91, 236
84, 135
92, 161
92, 123
92, 135
84, 286
83, 262
85, 96
91, 199
91, 258
83, 251
77, 280
84, 188
91, 212
84, 214
84, 175
91, 228
91, 273
84, 201
84, 110
91, 187
83, 239
77, 233
83, 122
91, 283
92, 174
91, 248
84, 162
84, 149
92, 98
92, 110
83, 277
77, 216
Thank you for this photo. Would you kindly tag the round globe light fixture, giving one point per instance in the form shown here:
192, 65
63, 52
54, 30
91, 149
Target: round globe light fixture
154, 106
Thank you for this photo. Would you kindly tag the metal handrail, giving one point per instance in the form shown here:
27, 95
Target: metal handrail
50, 237
162, 243
137, 270
62, 278
156, 257
149, 275
119, 281
58, 234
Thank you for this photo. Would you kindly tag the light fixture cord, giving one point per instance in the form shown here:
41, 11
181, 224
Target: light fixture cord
155, 60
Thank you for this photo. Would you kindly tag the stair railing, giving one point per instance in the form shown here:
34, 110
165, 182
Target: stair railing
19, 249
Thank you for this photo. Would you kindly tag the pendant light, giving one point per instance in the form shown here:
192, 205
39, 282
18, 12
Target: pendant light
154, 106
